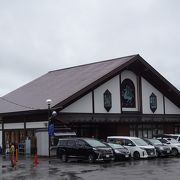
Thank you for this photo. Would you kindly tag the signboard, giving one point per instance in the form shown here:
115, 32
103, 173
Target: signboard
153, 102
107, 100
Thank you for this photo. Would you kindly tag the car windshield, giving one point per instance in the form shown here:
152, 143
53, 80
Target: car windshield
155, 141
95, 143
140, 142
115, 146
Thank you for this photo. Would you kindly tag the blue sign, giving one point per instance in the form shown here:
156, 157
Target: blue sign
50, 128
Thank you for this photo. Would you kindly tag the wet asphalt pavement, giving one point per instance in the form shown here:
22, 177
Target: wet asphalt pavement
153, 169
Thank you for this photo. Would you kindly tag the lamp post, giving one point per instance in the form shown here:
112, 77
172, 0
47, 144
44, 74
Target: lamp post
51, 117
51, 127
49, 101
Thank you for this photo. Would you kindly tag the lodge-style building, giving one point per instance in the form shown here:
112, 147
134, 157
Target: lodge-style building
123, 96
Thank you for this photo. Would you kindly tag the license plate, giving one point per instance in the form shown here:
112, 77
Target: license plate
127, 155
168, 151
107, 155
152, 153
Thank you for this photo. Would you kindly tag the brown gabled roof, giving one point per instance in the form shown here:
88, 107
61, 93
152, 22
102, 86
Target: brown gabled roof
66, 85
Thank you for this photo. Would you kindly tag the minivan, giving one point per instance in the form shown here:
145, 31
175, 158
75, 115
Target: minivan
137, 146
84, 148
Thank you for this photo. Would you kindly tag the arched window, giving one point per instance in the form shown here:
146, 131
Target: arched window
128, 99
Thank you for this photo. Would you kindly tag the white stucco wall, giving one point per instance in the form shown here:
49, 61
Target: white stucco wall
14, 126
42, 143
113, 86
33, 125
147, 90
130, 75
83, 105
170, 108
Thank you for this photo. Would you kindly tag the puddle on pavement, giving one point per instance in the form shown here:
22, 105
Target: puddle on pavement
70, 176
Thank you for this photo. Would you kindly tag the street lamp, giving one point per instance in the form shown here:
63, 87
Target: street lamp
51, 131
51, 117
54, 114
49, 101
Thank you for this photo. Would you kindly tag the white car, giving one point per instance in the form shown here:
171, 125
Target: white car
175, 136
137, 146
173, 143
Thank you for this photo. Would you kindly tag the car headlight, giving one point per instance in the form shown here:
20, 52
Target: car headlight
116, 151
96, 150
161, 148
142, 148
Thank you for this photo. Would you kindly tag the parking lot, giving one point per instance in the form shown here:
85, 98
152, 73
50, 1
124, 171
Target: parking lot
152, 169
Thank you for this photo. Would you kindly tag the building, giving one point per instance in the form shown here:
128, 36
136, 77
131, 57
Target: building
123, 96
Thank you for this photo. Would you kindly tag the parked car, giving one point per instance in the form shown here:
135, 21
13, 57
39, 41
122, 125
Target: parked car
120, 152
59, 133
175, 136
171, 142
161, 149
138, 147
84, 148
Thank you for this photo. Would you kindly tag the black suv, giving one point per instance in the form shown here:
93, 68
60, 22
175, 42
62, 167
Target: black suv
83, 148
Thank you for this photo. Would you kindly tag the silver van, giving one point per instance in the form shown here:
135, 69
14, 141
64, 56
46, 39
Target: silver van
137, 146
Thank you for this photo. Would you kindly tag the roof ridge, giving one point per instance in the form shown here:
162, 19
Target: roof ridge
93, 63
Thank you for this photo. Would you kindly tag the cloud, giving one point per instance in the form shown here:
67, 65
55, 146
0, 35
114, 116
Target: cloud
39, 36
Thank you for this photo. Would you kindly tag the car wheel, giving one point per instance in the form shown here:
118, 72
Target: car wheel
158, 154
136, 155
174, 152
91, 158
64, 158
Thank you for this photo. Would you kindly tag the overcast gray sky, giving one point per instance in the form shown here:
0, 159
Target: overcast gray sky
38, 36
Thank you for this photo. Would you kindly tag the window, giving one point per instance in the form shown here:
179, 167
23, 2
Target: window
163, 141
140, 142
132, 130
146, 130
62, 143
116, 141
153, 102
119, 141
107, 100
128, 142
80, 143
128, 94
71, 143
95, 143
